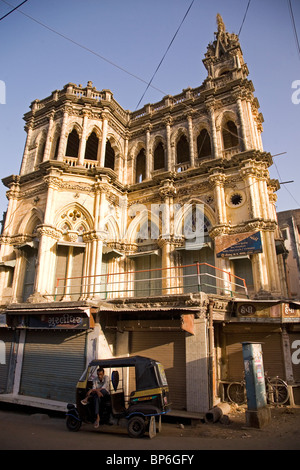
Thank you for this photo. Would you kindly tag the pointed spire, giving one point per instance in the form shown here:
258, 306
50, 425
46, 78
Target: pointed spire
224, 53
220, 23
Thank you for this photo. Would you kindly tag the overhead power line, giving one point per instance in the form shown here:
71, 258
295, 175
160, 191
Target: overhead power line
86, 48
294, 26
11, 11
244, 17
172, 40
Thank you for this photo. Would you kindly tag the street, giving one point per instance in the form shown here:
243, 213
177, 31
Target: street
34, 430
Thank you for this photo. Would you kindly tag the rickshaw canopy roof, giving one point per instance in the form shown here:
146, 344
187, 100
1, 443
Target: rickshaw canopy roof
144, 374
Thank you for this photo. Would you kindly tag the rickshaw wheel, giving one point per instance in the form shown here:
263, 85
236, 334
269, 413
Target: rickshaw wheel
73, 424
136, 426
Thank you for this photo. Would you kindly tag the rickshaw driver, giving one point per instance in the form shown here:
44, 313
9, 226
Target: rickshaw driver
100, 389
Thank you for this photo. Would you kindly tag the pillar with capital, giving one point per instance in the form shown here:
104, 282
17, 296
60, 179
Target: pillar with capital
104, 116
210, 108
29, 130
82, 145
217, 180
249, 174
170, 163
49, 137
191, 138
63, 136
45, 266
166, 240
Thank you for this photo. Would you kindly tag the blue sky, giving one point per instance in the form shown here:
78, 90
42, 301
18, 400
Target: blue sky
134, 35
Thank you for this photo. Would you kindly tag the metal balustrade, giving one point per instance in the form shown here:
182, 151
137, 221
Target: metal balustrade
174, 280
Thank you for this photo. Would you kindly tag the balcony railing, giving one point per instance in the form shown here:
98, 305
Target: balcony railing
191, 278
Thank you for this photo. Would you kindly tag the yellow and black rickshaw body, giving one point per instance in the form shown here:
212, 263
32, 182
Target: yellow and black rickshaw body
148, 400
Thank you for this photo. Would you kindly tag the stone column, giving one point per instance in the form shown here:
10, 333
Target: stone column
217, 179
249, 175
214, 141
49, 137
104, 137
29, 130
149, 162
12, 196
63, 137
169, 150
166, 242
53, 184
48, 237
18, 280
83, 139
191, 138
241, 120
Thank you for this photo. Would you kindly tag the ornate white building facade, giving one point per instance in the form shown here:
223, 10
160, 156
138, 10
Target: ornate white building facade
98, 254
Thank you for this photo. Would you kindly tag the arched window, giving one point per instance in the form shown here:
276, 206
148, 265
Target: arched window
140, 166
72, 144
109, 161
91, 148
203, 144
183, 150
56, 146
41, 150
230, 135
159, 157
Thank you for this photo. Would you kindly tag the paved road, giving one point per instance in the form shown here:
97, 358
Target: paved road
23, 431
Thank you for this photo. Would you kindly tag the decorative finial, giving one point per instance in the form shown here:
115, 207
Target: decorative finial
220, 23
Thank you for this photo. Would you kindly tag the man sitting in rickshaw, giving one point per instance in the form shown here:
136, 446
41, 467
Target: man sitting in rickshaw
97, 393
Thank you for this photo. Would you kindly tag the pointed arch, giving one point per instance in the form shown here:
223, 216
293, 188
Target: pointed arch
72, 148
182, 149
112, 228
31, 220
184, 215
55, 143
41, 144
159, 156
203, 144
230, 134
109, 159
142, 224
91, 148
140, 166
73, 214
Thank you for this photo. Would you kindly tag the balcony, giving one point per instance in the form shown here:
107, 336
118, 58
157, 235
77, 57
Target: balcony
183, 279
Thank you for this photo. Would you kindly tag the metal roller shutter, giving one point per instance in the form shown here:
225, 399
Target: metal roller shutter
52, 364
169, 349
295, 354
7, 344
271, 347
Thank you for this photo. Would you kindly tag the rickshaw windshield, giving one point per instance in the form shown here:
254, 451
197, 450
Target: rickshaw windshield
162, 374
90, 373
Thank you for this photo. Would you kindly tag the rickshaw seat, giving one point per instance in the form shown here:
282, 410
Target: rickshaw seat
117, 402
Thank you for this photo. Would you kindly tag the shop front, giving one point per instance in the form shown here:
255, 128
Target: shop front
274, 324
51, 352
8, 342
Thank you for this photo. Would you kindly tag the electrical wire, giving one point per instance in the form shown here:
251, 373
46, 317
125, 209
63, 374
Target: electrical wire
11, 11
169, 46
298, 204
244, 17
294, 26
87, 49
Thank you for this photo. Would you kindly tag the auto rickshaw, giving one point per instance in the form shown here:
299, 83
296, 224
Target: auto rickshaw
139, 395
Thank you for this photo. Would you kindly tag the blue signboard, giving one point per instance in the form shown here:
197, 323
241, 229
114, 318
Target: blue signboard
245, 246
